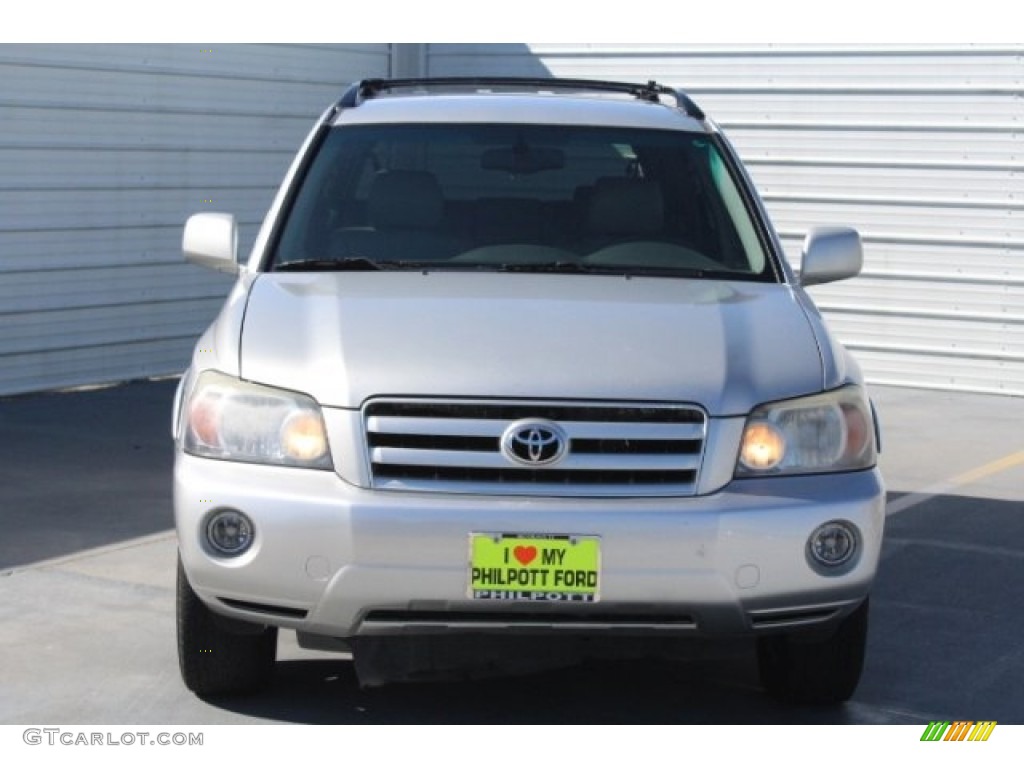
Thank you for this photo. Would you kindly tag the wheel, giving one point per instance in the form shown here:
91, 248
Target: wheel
214, 659
803, 668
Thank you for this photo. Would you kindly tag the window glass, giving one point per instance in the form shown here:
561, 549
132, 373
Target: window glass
482, 195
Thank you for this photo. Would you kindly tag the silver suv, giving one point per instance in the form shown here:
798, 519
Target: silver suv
520, 359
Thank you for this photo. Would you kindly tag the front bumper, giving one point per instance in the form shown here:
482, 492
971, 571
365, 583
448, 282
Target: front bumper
332, 559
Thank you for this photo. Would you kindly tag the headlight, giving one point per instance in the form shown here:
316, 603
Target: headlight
831, 432
227, 418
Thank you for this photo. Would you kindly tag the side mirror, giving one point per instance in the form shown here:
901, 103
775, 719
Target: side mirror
830, 254
211, 240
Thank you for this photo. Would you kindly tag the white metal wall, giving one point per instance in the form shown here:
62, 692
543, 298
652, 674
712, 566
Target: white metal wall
104, 151
919, 147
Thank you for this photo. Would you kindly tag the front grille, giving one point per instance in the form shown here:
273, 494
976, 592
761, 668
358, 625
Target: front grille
613, 449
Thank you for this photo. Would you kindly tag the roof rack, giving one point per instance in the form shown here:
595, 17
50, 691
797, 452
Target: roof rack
651, 91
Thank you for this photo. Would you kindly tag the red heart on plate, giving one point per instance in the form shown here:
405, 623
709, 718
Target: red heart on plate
525, 555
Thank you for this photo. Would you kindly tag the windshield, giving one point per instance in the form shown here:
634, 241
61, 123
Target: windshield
522, 198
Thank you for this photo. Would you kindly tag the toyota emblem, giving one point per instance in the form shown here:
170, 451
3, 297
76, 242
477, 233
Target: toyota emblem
534, 443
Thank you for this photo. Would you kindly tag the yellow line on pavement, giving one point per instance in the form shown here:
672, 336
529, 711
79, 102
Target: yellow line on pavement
945, 486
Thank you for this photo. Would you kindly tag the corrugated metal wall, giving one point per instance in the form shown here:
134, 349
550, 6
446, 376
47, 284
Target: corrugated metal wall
104, 151
919, 147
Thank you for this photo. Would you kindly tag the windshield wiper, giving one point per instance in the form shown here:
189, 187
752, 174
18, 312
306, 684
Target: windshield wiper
363, 264
578, 268
567, 267
350, 264
356, 264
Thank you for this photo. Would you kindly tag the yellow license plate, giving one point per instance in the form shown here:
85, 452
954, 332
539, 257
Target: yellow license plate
543, 568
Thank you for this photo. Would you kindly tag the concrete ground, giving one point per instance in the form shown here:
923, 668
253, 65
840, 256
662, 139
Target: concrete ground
87, 561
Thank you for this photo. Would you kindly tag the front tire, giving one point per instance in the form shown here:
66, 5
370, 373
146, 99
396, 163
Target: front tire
803, 669
213, 659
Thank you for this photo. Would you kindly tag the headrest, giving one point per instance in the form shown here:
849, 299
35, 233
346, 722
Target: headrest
405, 200
625, 207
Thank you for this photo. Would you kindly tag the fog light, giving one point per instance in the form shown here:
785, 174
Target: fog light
833, 544
229, 532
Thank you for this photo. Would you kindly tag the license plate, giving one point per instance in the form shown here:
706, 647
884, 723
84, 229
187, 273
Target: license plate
536, 567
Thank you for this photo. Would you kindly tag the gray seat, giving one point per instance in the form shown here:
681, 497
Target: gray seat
622, 209
508, 220
405, 200
406, 216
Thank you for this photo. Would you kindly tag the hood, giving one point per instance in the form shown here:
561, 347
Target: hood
346, 337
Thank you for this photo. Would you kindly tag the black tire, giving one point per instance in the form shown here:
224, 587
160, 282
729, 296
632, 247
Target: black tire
215, 660
807, 669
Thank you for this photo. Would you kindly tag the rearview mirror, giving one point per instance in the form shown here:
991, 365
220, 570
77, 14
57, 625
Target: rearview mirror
211, 240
